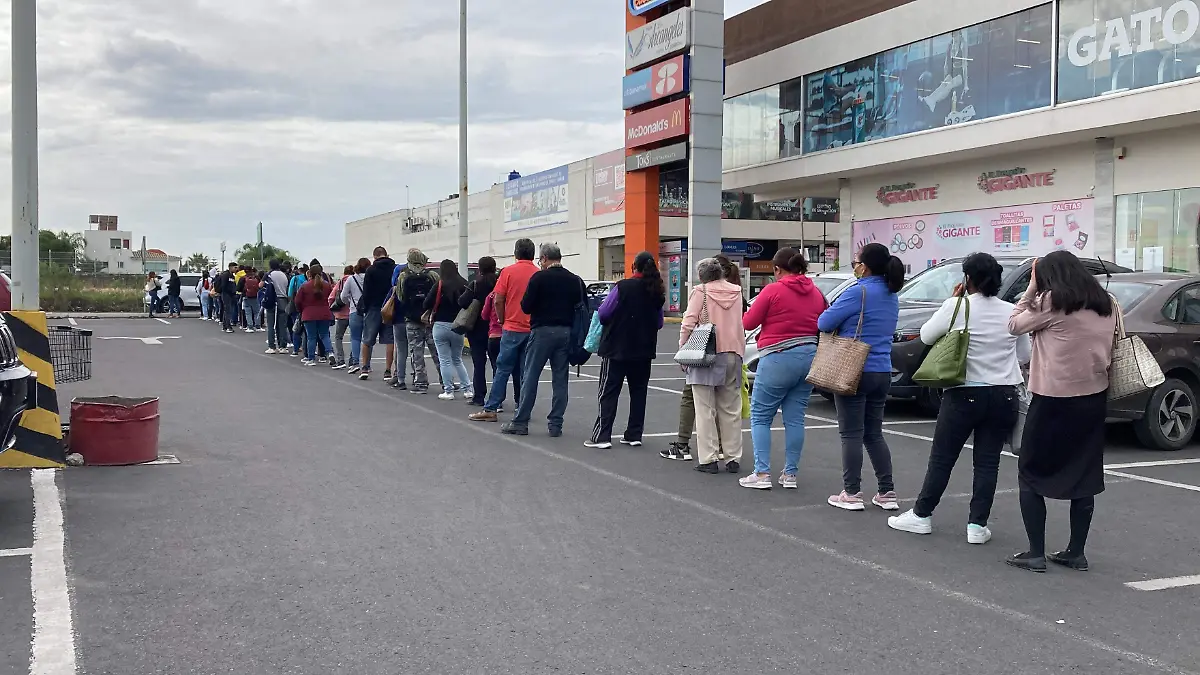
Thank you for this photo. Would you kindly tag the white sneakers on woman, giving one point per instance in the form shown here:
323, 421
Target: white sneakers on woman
909, 521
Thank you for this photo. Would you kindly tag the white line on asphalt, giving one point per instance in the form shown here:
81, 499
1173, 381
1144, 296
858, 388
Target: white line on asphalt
162, 321
910, 422
1155, 481
53, 633
823, 505
745, 431
1017, 617
1163, 584
72, 321
1161, 462
15, 552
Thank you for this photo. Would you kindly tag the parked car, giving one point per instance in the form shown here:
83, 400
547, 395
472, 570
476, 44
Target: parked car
924, 294
187, 292
597, 291
831, 284
5, 293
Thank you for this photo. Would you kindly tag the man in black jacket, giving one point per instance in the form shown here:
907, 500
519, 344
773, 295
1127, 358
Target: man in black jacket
377, 283
227, 285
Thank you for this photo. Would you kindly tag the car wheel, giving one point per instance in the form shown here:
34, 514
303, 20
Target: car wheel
1170, 419
929, 400
163, 306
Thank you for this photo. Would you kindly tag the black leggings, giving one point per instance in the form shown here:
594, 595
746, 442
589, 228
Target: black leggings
1033, 512
480, 353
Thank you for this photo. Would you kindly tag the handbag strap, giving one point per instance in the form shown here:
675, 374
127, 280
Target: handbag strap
1119, 328
704, 318
861, 311
967, 316
437, 300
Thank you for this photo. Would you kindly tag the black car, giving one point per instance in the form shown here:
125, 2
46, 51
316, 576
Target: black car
924, 294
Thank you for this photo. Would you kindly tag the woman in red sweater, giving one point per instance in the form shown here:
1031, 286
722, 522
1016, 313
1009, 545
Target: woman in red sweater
314, 312
787, 311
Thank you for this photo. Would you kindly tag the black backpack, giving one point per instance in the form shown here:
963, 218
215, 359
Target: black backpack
580, 323
416, 288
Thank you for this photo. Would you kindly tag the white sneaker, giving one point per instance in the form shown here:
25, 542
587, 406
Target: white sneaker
249, 330
978, 534
269, 351
446, 396
909, 521
305, 362
755, 482
787, 481
311, 364
599, 445
634, 444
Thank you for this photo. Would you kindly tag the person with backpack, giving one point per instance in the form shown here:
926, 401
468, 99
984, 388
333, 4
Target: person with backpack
416, 285
202, 288
249, 286
273, 290
227, 288
298, 333
341, 318
551, 300
352, 292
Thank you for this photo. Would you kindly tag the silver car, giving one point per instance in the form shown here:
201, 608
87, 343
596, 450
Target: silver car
831, 284
187, 293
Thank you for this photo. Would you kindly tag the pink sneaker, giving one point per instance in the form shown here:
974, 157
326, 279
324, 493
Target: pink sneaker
886, 501
848, 501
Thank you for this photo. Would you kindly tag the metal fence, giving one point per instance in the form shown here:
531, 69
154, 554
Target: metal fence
67, 259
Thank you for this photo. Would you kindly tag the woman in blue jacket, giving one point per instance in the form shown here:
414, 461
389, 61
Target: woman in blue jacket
860, 417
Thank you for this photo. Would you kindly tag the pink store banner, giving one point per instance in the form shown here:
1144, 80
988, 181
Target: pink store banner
1030, 230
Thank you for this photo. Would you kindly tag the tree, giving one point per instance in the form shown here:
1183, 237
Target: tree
248, 254
60, 242
198, 262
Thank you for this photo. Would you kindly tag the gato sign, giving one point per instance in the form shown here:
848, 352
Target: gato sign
1176, 23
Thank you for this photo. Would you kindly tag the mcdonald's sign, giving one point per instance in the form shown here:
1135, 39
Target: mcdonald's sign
657, 124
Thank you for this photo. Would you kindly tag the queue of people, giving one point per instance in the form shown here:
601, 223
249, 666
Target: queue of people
525, 317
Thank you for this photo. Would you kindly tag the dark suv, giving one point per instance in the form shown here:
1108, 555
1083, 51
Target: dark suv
922, 296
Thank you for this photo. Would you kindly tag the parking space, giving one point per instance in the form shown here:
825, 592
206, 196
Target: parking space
16, 538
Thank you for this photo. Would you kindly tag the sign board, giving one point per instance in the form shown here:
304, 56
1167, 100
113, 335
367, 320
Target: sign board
639, 7
659, 81
536, 200
656, 157
608, 183
657, 124
1016, 178
669, 35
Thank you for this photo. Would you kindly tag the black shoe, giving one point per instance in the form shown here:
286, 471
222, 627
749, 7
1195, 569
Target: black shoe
555, 432
711, 467
1078, 563
399, 384
677, 451
732, 467
514, 430
1027, 561
474, 404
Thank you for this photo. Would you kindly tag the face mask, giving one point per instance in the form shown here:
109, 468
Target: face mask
858, 271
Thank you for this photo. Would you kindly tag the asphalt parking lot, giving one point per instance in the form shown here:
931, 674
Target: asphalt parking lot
320, 524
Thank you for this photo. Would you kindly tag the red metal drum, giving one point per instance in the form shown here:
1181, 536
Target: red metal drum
114, 430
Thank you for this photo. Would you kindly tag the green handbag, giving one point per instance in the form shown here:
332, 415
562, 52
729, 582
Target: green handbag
946, 363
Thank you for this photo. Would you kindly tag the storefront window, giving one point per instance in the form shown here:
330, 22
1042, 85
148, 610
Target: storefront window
1110, 46
989, 69
1159, 231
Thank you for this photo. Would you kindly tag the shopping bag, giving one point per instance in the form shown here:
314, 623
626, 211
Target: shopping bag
745, 393
592, 342
946, 363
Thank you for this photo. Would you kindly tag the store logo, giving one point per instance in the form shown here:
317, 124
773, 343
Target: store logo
665, 80
657, 124
904, 193
637, 7
658, 81
1177, 24
657, 39
1014, 179
958, 231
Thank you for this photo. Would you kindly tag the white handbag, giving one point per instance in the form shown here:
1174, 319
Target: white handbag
1024, 398
1134, 369
700, 350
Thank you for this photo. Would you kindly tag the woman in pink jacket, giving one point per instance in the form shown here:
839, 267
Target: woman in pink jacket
717, 389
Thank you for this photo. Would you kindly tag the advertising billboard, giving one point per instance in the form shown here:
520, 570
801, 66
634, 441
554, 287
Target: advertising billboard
657, 124
669, 35
1030, 230
656, 157
656, 82
993, 68
638, 7
1106, 47
537, 200
608, 183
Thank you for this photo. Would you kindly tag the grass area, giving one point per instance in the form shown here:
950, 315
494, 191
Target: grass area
64, 291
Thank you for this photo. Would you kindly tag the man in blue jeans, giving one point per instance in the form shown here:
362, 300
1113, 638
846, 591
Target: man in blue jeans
510, 291
550, 300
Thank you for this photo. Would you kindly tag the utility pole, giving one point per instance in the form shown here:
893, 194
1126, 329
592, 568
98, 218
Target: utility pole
25, 279
463, 210
260, 244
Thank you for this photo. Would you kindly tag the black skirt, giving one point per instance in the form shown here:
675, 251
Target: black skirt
1062, 449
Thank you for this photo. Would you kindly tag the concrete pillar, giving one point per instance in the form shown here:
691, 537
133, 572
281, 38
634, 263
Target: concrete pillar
845, 235
704, 188
1105, 199
25, 275
641, 190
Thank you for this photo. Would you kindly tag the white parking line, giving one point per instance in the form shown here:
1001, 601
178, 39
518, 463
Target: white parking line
1163, 584
162, 321
15, 552
823, 505
72, 321
1144, 465
1155, 481
53, 632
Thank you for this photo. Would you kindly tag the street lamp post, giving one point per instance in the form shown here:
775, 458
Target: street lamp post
25, 292
463, 211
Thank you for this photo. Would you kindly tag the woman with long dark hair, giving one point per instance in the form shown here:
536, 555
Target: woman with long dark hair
985, 405
444, 305
174, 301
478, 290
153, 286
1072, 322
787, 311
352, 292
202, 288
871, 300
632, 315
341, 318
313, 305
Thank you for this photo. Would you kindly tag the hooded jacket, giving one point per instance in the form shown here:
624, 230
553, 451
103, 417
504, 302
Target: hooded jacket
785, 309
724, 312
376, 283
415, 264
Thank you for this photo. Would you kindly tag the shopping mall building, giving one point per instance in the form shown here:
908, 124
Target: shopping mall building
937, 127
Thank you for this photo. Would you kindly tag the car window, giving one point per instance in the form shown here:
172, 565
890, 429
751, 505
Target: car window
934, 284
1171, 310
1189, 305
1128, 293
598, 289
1018, 288
827, 284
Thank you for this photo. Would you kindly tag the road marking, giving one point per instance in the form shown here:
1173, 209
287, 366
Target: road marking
1020, 619
15, 552
910, 422
1163, 584
824, 505
162, 459
162, 321
1155, 481
1143, 465
72, 321
745, 431
53, 633
144, 340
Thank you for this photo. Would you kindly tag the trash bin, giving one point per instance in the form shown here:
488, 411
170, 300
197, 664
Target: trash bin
114, 430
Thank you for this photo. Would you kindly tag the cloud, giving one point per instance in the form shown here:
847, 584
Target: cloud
194, 120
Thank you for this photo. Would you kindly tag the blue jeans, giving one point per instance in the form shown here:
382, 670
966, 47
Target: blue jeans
205, 304
251, 307
780, 383
356, 327
511, 358
174, 304
153, 302
546, 344
449, 355
318, 331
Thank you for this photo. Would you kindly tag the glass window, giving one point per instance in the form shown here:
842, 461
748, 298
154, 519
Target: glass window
934, 284
1189, 305
1185, 254
1159, 231
1018, 288
114, 243
1128, 293
1110, 46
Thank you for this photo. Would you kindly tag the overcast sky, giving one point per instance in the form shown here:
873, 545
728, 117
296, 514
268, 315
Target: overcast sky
193, 120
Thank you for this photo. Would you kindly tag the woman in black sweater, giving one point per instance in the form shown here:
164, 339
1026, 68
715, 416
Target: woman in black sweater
477, 336
443, 303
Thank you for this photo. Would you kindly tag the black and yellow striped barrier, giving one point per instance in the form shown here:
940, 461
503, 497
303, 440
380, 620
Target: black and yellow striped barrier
38, 441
